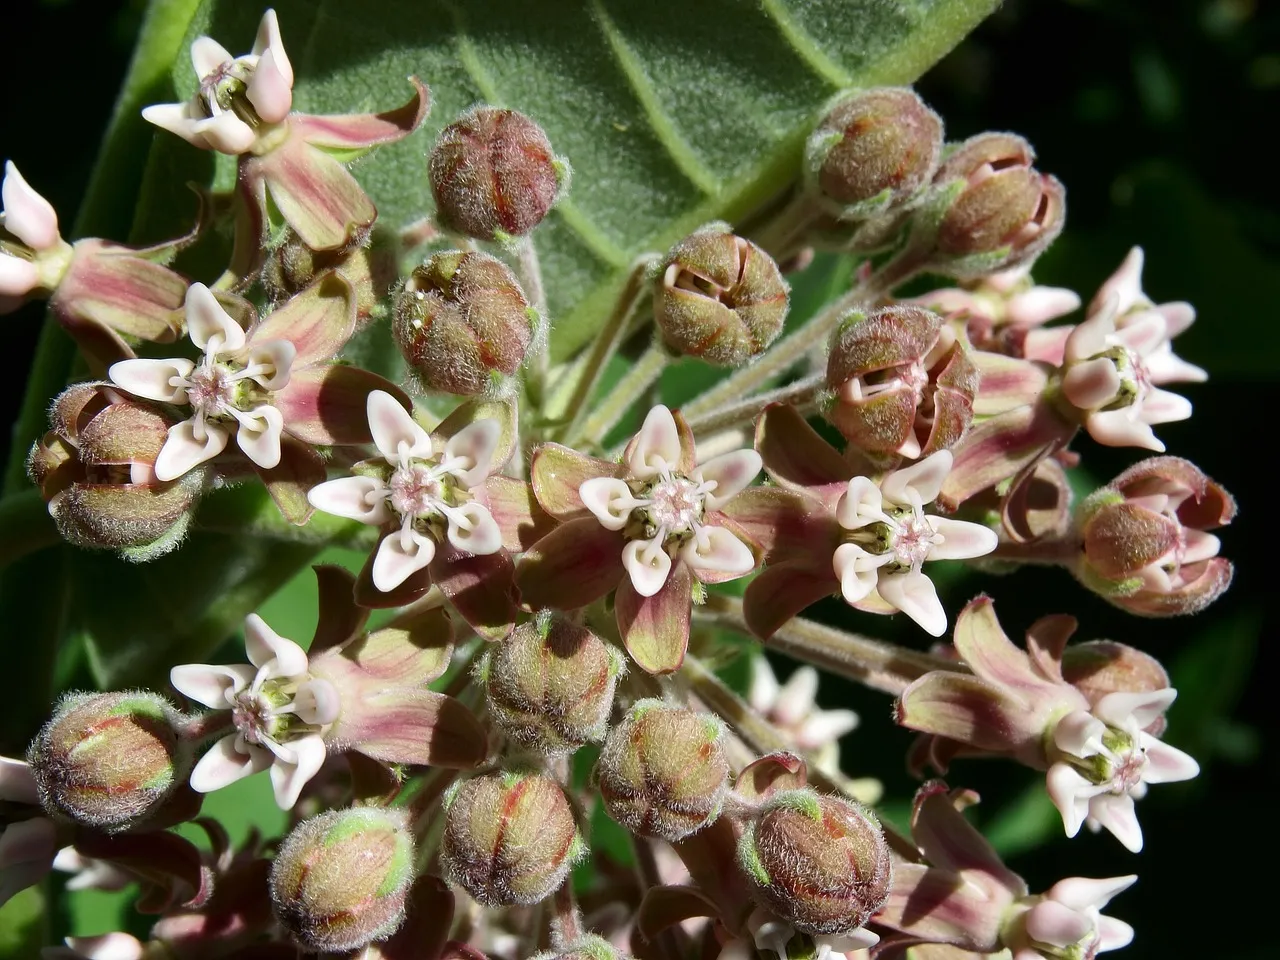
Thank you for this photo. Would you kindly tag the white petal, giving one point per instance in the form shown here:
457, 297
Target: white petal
208, 56
396, 561
288, 779
153, 379
1079, 734
1178, 316
1091, 384
1117, 815
177, 119
1070, 793
473, 448
356, 498
259, 435
1161, 406
393, 429
846, 943
317, 702
763, 690
1166, 764
182, 449
107, 946
266, 648
915, 595
1126, 283
1040, 305
225, 133
796, 697
1090, 337
27, 215
1056, 924
18, 277
278, 356
921, 482
1199, 546
271, 88
731, 472
1113, 934
961, 540
716, 550
209, 326
17, 783
1144, 332
647, 564
223, 765
1085, 893
1117, 428
472, 529
857, 570
1166, 367
1144, 707
610, 500
211, 684
860, 504
824, 727
269, 40
656, 447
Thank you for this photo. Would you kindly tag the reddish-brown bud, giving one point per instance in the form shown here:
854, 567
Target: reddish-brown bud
1100, 667
819, 862
339, 880
1000, 211
550, 684
873, 150
902, 382
370, 269
663, 772
108, 760
509, 838
463, 324
493, 174
719, 297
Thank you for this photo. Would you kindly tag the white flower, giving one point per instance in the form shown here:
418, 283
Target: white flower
107, 946
278, 710
236, 94
1105, 761
892, 537
664, 511
770, 933
424, 489
40, 257
793, 708
1067, 922
231, 383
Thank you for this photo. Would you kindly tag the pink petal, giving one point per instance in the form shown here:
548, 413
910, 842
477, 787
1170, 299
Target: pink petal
182, 450
577, 563
915, 595
1161, 406
965, 708
558, 473
1165, 367
717, 552
919, 482
948, 840
655, 627
610, 501
1118, 428
1040, 305
1090, 337
480, 587
731, 473
259, 435
1052, 923
27, 215
857, 570
1117, 815
211, 684
288, 778
318, 320
1083, 893
473, 448
226, 133
785, 524
208, 56
299, 470
209, 326
1006, 382
317, 702
271, 88
271, 652
656, 447
223, 765
861, 504
961, 540
1166, 764
1125, 285
516, 511
177, 119
1092, 383
472, 530
268, 40
152, 379
796, 699
1144, 332
397, 560
1070, 793
359, 131
411, 725
17, 783
647, 564
1144, 707
18, 277
1001, 447
327, 404
1113, 934
395, 433
781, 591
939, 906
316, 195
794, 453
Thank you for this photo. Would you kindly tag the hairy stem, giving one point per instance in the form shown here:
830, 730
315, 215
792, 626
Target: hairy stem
802, 394
647, 368
566, 923
1053, 553
530, 270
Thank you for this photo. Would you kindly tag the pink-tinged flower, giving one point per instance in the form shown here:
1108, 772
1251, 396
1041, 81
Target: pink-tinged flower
106, 946
647, 527
279, 713
36, 257
27, 847
1067, 923
290, 164
1104, 760
793, 709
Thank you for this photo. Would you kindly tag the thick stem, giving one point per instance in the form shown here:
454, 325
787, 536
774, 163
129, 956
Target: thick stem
647, 368
27, 526
1052, 553
672, 943
205, 726
784, 234
566, 924
530, 270
802, 394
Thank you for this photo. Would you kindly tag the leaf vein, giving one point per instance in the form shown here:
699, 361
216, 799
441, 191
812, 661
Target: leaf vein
805, 45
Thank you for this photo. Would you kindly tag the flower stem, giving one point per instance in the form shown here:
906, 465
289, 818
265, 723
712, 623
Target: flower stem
530, 269
205, 726
802, 394
1053, 553
647, 368
566, 925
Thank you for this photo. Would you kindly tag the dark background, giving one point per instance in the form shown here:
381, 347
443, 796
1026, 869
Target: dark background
1159, 117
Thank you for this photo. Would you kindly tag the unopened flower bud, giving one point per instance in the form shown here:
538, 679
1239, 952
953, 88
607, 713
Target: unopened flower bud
108, 760
1101, 667
902, 381
586, 947
663, 771
340, 879
819, 862
1002, 211
873, 150
719, 298
493, 174
550, 685
509, 838
463, 324
369, 268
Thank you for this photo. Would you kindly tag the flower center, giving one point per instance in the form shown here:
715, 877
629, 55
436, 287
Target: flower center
224, 88
251, 712
912, 539
676, 504
210, 389
416, 490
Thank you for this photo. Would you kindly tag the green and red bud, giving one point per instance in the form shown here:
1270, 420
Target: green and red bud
463, 323
494, 175
819, 862
108, 760
719, 297
663, 771
550, 684
340, 880
509, 838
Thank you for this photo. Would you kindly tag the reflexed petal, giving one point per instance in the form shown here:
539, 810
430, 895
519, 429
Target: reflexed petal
558, 473
27, 215
922, 480
716, 550
1070, 793
861, 504
1144, 707
153, 379
393, 429
473, 447
18, 277
325, 404
481, 588
731, 473
915, 595
1164, 366
576, 563
1058, 925
356, 498
1118, 816
1113, 934
360, 131
107, 946
857, 570
271, 89
223, 765
1083, 893
318, 320
794, 453
317, 702
1166, 764
610, 500
278, 356
482, 537
961, 540
207, 55
288, 779
657, 445
17, 783
781, 591
259, 435
1040, 305
225, 133
182, 449
796, 697
655, 628
177, 119
1118, 428
968, 709
396, 561
266, 648
647, 564
209, 326
315, 193
763, 689
1161, 406
211, 684
514, 508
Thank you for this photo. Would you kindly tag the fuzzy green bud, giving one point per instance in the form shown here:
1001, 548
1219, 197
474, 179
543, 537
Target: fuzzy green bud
663, 772
509, 838
340, 879
108, 760
587, 947
719, 297
819, 862
550, 685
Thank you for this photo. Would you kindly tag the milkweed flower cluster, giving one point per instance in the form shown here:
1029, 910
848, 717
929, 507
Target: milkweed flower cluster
545, 590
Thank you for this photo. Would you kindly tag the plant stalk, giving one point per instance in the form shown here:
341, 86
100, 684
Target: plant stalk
802, 394
647, 368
